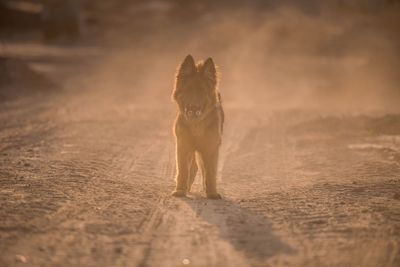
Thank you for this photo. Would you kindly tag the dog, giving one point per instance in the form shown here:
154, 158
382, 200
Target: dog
198, 126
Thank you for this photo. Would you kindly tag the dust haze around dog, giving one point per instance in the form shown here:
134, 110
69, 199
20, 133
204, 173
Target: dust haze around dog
332, 55
309, 163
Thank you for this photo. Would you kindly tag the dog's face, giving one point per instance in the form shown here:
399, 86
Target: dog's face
195, 88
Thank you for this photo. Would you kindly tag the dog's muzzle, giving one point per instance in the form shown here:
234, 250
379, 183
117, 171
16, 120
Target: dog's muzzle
192, 112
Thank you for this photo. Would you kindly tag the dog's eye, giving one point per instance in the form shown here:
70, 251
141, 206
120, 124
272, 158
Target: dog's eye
190, 113
198, 113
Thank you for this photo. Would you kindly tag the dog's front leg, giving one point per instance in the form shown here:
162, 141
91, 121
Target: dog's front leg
210, 161
183, 155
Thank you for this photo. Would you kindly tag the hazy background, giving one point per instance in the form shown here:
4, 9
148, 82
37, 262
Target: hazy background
310, 157
299, 54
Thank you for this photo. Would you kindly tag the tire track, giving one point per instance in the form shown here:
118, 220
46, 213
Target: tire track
88, 199
201, 232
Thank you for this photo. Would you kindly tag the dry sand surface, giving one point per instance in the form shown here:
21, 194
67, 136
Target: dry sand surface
86, 177
86, 173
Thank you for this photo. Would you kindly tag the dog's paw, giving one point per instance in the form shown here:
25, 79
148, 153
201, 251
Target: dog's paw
178, 193
214, 196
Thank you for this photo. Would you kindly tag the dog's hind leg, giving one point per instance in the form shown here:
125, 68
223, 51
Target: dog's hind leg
200, 166
192, 173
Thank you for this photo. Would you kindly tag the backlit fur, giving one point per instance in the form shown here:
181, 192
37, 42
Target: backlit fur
198, 125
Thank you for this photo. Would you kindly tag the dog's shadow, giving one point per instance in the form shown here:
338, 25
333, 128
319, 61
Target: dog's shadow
245, 230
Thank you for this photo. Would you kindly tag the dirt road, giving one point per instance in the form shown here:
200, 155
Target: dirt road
86, 172
86, 175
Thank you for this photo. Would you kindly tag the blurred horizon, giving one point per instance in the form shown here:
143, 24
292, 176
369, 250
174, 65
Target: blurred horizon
340, 55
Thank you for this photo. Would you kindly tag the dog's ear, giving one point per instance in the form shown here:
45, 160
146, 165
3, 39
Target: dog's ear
210, 71
187, 67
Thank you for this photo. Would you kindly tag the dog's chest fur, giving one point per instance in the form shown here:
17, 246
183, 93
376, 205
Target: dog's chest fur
198, 129
210, 126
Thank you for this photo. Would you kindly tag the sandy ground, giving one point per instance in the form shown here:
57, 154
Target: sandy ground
86, 177
86, 173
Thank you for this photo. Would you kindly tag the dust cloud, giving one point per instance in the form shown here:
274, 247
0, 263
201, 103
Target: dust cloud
310, 157
339, 55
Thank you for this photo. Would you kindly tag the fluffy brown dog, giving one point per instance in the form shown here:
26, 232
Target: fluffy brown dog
198, 125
